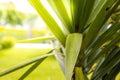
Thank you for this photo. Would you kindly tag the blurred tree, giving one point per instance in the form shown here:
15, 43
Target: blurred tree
31, 18
0, 14
14, 17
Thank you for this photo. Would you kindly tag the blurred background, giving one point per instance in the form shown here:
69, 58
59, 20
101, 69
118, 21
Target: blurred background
19, 21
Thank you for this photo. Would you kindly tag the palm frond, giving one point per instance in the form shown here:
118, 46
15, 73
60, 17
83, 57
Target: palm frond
72, 53
49, 20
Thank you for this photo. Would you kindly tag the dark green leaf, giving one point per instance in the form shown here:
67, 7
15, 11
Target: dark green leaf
106, 49
96, 25
106, 36
103, 70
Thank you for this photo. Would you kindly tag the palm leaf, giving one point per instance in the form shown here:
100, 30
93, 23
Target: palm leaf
75, 40
38, 39
96, 24
106, 36
93, 44
80, 13
112, 74
62, 13
106, 49
115, 60
49, 20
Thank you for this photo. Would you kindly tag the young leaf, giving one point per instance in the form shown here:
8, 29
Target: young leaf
73, 45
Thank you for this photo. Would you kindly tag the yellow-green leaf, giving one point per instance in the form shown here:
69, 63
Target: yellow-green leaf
49, 20
73, 45
38, 39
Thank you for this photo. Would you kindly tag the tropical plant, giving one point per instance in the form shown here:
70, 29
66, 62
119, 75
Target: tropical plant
89, 43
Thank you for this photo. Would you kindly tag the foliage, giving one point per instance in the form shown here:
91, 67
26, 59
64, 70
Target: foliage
7, 42
88, 39
14, 17
0, 14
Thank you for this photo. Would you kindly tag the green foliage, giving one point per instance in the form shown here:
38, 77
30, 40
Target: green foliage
89, 20
14, 17
89, 40
54, 27
38, 39
7, 42
1, 14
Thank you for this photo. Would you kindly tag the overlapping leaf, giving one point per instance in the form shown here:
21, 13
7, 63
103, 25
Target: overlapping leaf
49, 20
73, 45
61, 11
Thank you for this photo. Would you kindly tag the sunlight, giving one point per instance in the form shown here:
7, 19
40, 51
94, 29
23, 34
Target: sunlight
52, 12
21, 5
48, 7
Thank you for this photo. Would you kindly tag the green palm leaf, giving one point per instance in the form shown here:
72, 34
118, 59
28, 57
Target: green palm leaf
75, 40
62, 13
54, 27
38, 39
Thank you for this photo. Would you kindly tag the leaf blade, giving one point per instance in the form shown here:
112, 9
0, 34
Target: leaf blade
53, 26
38, 39
61, 11
75, 40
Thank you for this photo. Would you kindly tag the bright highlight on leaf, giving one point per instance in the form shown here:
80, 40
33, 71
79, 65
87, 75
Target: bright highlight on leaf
49, 20
38, 39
